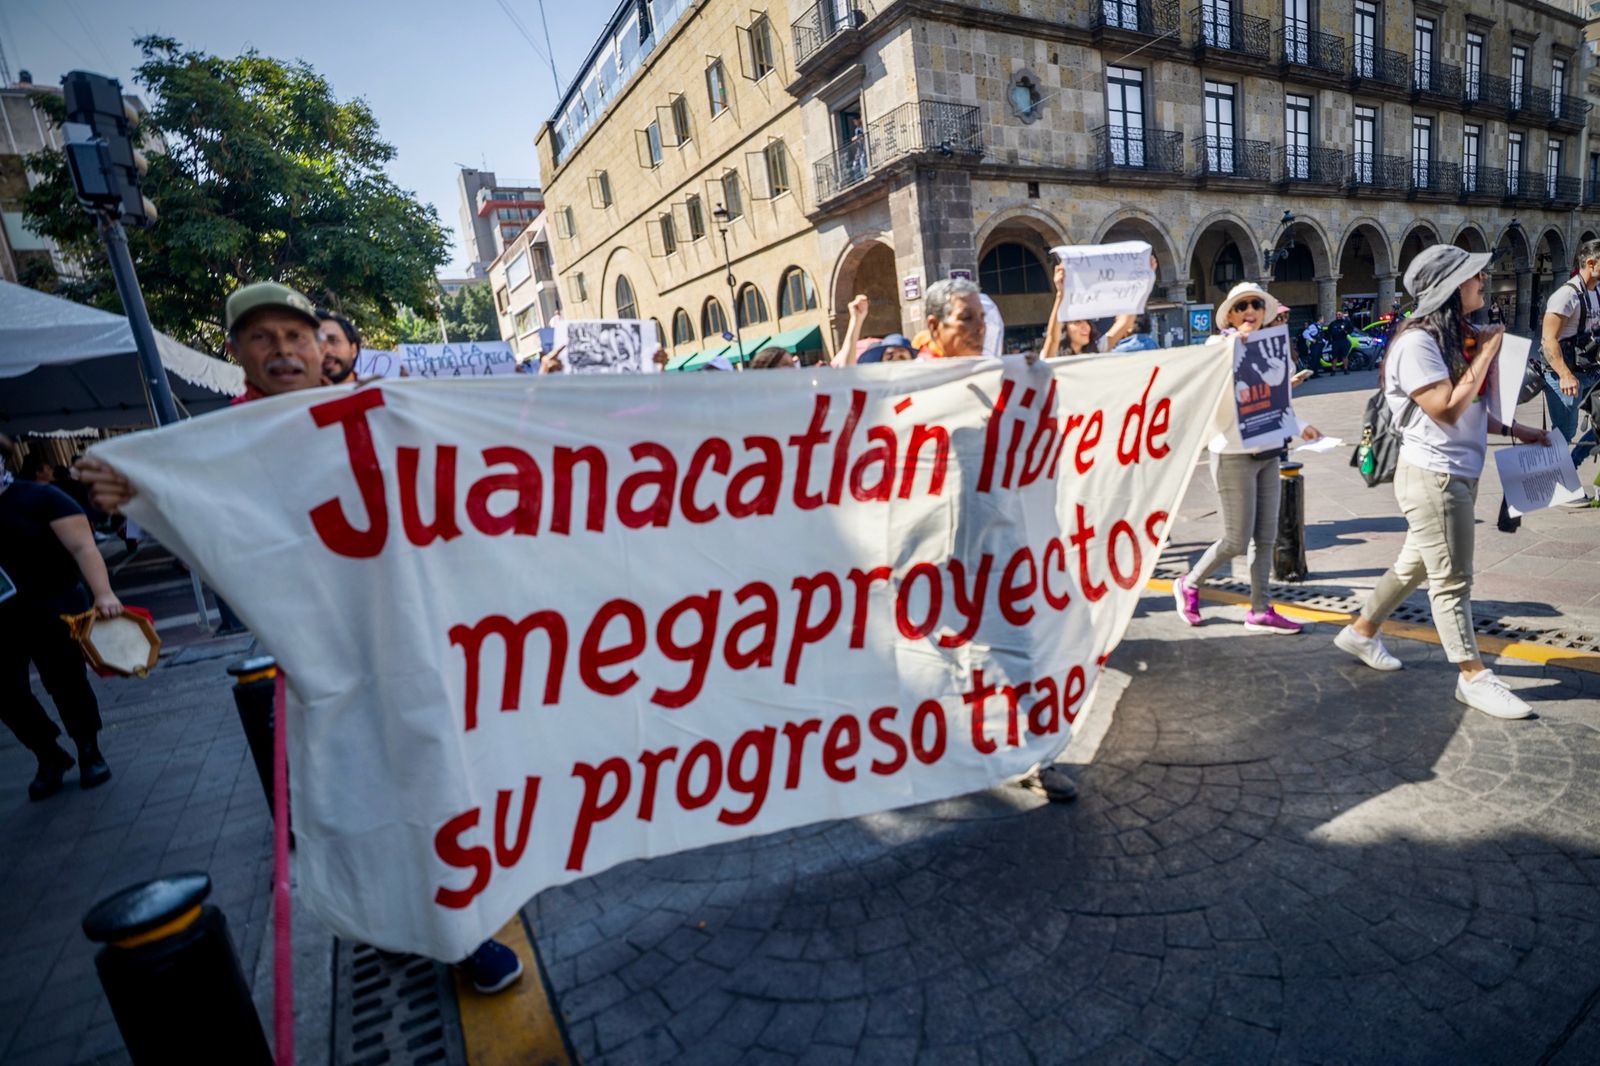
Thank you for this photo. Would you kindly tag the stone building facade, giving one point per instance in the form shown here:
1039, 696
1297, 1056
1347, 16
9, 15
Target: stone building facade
526, 294
1317, 146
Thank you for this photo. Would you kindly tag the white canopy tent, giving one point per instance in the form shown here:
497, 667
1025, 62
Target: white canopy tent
64, 366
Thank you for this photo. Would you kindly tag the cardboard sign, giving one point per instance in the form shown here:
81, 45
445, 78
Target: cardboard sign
607, 346
468, 359
1262, 363
1105, 279
534, 628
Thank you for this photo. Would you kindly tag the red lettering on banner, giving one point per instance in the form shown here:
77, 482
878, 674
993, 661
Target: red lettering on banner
514, 635
593, 809
764, 618
804, 445
863, 581
697, 653
444, 525
1081, 538
795, 734
650, 762
882, 454
807, 631
922, 435
1044, 717
592, 658
754, 785
565, 464
902, 601
447, 845
1043, 442
1124, 578
328, 518
1156, 518
719, 456
1128, 454
932, 752
703, 751
524, 480
507, 854
1018, 428
1013, 593
889, 739
1059, 550
1077, 684
968, 603
991, 436
975, 698
841, 447
664, 482
766, 472
841, 743
1088, 441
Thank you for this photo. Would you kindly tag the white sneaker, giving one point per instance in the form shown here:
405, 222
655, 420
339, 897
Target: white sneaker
1369, 650
1490, 695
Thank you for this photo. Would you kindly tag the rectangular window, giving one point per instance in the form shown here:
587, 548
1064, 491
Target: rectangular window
694, 208
1422, 53
1558, 85
501, 301
1366, 39
717, 87
580, 292
1473, 70
1364, 142
652, 137
669, 234
1297, 136
680, 119
1219, 117
732, 201
1297, 31
1552, 167
1121, 14
777, 169
1125, 115
1471, 145
1513, 163
761, 61
1421, 151
1519, 74
1216, 23
517, 271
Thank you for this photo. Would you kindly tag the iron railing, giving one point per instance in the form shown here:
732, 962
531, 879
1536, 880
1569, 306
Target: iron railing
1223, 26
1371, 171
1562, 191
1305, 47
1516, 96
1535, 103
1153, 151
1438, 79
1382, 65
1223, 157
1564, 108
1311, 165
1433, 177
824, 21
910, 129
1483, 181
1490, 90
1156, 18
1524, 186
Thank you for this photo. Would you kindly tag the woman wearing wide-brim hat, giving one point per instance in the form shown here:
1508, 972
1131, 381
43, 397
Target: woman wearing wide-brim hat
1247, 483
1434, 377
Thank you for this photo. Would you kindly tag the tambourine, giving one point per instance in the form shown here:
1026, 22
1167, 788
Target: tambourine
124, 646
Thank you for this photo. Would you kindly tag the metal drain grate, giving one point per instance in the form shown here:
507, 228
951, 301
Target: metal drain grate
1329, 600
393, 1009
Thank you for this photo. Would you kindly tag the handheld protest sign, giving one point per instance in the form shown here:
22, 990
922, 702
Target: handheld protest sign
124, 646
1105, 279
1261, 364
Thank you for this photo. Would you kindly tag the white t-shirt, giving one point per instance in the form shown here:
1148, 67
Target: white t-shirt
1414, 362
1564, 302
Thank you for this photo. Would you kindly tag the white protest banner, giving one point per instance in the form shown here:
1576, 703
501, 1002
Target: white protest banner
376, 363
1534, 477
1261, 365
1510, 367
1105, 279
467, 359
607, 346
535, 628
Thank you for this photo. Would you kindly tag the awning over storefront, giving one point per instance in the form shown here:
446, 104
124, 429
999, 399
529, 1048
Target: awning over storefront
804, 339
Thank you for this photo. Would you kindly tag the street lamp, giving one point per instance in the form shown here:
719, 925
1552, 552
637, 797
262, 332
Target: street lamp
723, 218
1269, 257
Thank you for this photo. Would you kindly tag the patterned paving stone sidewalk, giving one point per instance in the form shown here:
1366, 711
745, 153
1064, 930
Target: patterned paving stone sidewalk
1279, 856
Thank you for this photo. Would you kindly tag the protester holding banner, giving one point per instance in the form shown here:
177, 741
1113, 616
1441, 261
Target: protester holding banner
1571, 345
1246, 479
1082, 337
340, 342
1434, 391
272, 332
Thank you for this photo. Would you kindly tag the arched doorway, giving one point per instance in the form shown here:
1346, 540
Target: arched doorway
1014, 269
1167, 315
867, 268
1299, 258
1418, 237
1552, 265
1513, 260
1471, 239
1366, 274
1224, 253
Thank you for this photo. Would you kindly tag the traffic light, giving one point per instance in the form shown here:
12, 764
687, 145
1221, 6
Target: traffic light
107, 169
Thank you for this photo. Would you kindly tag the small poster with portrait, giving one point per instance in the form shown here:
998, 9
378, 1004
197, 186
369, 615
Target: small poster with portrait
1262, 363
607, 345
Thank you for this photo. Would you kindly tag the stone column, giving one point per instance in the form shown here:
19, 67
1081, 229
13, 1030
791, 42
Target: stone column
931, 212
1524, 300
1385, 294
1178, 293
1327, 297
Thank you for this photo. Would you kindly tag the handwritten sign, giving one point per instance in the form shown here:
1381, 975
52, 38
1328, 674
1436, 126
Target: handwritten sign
1105, 279
1261, 367
1535, 477
519, 649
377, 363
468, 359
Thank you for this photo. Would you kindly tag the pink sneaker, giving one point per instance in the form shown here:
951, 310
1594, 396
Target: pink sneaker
1269, 621
1187, 598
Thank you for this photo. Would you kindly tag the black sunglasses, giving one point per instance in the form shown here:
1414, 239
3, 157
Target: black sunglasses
1251, 304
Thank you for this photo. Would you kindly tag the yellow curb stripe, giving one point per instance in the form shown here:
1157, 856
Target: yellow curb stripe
1568, 658
517, 1027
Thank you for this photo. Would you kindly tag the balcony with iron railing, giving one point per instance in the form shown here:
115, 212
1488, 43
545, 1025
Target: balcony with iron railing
1223, 32
1380, 66
1310, 165
923, 128
1132, 150
823, 22
1378, 173
1562, 192
1485, 92
1144, 18
1535, 105
1313, 50
1224, 157
1487, 184
1434, 178
1524, 187
1570, 111
1432, 78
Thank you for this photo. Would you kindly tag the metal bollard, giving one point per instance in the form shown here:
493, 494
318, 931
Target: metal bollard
253, 683
171, 976
1289, 551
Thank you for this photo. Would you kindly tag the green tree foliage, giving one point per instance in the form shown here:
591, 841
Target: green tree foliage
258, 174
468, 315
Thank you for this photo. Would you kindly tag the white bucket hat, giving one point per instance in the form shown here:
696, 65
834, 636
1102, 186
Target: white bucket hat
1239, 292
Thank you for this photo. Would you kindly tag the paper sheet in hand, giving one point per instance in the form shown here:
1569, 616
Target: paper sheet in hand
1509, 370
1105, 279
1535, 477
1321, 444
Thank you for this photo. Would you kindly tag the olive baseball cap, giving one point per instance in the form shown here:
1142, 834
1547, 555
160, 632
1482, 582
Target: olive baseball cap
262, 294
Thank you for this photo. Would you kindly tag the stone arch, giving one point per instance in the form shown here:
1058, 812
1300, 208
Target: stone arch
1210, 275
1469, 237
1418, 235
1018, 217
1301, 256
1517, 253
1133, 224
623, 260
1511, 276
1373, 233
1587, 236
867, 266
1366, 269
1025, 308
1552, 264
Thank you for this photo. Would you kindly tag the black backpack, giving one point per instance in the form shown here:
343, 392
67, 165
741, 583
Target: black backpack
1379, 451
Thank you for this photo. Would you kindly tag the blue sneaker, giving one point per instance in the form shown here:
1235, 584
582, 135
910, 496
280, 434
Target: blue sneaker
492, 968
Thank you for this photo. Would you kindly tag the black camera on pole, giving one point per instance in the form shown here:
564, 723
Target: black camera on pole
107, 168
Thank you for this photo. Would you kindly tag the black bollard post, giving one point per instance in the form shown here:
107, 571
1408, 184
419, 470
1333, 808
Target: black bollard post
1289, 552
171, 976
253, 683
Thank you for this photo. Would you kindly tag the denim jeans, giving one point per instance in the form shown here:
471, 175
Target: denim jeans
1564, 411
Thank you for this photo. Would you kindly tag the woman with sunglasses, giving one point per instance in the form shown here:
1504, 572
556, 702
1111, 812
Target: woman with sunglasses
1247, 483
1434, 375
